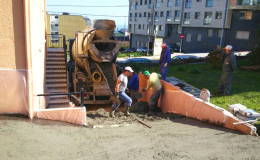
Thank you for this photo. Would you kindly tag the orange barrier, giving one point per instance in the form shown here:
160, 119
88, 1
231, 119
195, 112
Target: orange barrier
174, 100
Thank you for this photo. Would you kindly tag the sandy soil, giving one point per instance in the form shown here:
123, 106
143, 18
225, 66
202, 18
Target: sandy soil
170, 137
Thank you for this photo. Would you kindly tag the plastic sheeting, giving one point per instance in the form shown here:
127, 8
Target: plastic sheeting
174, 100
75, 115
14, 100
14, 92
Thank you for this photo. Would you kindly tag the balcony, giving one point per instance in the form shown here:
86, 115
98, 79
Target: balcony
245, 4
169, 18
156, 18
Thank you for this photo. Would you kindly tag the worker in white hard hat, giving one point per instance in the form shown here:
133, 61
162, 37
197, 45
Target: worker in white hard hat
120, 88
229, 66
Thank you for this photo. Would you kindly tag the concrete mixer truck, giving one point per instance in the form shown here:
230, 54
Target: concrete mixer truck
94, 52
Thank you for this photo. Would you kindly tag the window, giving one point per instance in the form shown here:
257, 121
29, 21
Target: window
139, 26
160, 27
218, 15
207, 18
209, 3
150, 4
245, 15
141, 2
157, 4
169, 16
156, 16
171, 27
130, 16
144, 14
178, 3
135, 16
188, 37
178, 29
136, 5
188, 4
198, 37
197, 15
186, 18
145, 2
169, 4
177, 15
161, 14
210, 32
198, 0
140, 14
242, 35
131, 6
130, 27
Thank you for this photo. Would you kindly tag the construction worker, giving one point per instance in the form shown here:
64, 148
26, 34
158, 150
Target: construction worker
133, 86
229, 66
155, 84
120, 88
165, 60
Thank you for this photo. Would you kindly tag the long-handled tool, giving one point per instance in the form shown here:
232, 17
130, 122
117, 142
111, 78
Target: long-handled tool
139, 95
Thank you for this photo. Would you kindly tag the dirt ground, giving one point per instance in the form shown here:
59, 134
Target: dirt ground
171, 136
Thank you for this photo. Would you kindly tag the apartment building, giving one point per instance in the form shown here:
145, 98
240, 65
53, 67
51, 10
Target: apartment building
65, 24
200, 21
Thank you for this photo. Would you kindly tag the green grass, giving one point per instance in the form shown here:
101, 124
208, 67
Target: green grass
134, 54
245, 84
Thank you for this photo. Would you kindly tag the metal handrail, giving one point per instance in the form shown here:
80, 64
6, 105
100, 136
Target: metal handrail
69, 93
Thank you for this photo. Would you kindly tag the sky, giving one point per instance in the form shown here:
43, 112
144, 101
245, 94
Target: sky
118, 14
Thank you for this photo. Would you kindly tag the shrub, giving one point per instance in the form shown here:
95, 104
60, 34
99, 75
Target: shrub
215, 59
254, 56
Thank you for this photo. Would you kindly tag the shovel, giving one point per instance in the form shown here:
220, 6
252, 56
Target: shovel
138, 95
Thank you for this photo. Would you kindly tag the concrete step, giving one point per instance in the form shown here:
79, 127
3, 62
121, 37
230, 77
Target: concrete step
56, 76
58, 101
65, 97
65, 105
56, 85
55, 59
55, 63
56, 80
56, 71
56, 67
58, 90
51, 50
56, 55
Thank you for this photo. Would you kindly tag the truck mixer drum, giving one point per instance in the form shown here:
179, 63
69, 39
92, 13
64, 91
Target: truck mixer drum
95, 51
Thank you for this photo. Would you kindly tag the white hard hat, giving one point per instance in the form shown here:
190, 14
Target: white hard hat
228, 47
129, 69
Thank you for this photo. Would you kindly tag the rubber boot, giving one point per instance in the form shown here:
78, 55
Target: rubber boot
127, 113
112, 113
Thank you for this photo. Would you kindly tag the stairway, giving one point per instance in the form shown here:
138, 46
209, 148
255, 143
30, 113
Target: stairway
56, 78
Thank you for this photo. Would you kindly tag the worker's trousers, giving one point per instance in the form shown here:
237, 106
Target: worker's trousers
164, 72
225, 83
153, 102
122, 97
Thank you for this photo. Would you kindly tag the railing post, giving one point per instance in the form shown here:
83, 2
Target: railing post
82, 97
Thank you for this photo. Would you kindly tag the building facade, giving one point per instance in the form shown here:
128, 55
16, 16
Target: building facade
204, 23
65, 24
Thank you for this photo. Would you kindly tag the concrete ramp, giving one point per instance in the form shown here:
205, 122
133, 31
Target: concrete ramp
174, 100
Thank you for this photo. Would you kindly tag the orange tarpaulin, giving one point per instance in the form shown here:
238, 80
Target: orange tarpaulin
174, 100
